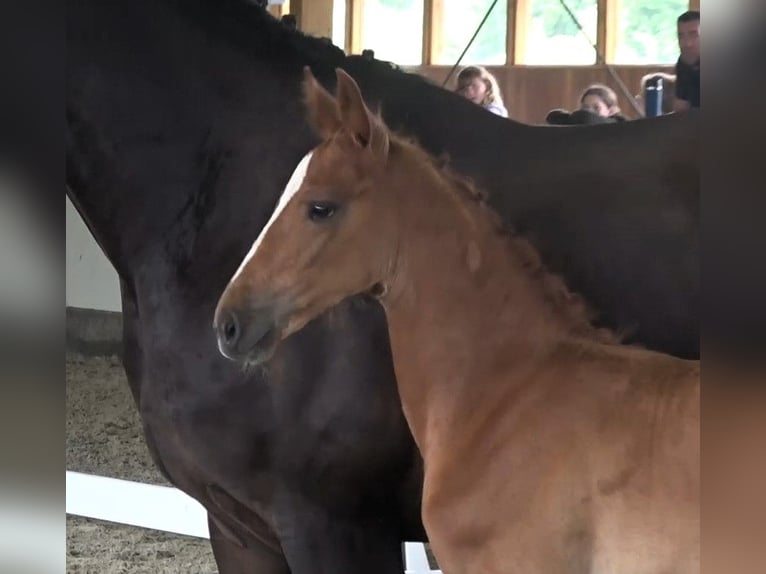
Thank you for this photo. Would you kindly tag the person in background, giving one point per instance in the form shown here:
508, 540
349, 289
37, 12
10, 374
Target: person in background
475, 83
602, 101
598, 105
688, 65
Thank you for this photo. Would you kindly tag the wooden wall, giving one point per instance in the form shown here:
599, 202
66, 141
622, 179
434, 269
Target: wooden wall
530, 92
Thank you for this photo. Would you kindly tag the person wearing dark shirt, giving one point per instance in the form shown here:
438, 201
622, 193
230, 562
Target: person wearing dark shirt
688, 66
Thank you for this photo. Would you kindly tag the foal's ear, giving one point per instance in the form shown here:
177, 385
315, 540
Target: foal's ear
365, 127
320, 105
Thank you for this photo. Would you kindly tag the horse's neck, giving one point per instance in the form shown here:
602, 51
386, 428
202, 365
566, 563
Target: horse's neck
460, 309
150, 133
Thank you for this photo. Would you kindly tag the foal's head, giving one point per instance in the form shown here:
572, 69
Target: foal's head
332, 235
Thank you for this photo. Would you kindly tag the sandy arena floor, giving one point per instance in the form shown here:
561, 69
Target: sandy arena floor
103, 436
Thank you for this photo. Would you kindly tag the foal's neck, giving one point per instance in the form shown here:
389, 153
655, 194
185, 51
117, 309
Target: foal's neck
465, 309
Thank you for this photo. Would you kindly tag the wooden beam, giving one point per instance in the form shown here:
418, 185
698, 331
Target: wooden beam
347, 31
601, 27
314, 17
522, 15
278, 10
275, 10
510, 33
354, 9
433, 11
694, 5
608, 30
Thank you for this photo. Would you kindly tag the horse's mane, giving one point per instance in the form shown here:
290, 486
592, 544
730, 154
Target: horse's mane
253, 28
571, 306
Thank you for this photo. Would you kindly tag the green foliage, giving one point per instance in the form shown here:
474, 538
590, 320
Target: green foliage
556, 20
462, 18
394, 29
648, 30
398, 4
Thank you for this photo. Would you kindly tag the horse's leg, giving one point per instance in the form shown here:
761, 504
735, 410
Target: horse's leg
232, 558
330, 546
316, 542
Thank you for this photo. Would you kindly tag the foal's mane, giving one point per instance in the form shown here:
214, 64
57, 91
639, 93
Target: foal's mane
569, 305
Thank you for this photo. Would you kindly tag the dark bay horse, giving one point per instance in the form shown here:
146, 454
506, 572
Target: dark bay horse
548, 447
184, 122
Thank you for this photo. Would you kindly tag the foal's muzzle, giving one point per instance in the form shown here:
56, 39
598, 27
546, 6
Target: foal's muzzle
246, 335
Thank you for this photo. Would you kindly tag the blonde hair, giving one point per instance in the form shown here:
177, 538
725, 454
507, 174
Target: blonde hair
605, 94
469, 73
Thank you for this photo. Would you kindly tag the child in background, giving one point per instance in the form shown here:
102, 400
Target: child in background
598, 105
601, 100
475, 83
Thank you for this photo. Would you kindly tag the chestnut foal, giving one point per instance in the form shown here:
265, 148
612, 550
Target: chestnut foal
548, 446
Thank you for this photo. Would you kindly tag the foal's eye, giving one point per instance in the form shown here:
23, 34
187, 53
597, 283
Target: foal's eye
321, 210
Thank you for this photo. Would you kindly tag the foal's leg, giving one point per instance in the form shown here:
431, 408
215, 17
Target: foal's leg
257, 558
316, 542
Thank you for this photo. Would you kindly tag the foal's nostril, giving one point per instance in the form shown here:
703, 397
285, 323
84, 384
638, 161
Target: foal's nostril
230, 329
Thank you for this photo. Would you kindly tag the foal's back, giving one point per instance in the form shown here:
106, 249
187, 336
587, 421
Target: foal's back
601, 469
637, 414
645, 455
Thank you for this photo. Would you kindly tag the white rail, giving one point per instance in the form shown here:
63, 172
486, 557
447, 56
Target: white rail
167, 509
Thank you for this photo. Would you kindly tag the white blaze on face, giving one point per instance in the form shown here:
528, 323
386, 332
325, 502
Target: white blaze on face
296, 179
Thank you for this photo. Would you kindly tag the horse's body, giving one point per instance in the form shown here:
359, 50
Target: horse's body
184, 120
549, 448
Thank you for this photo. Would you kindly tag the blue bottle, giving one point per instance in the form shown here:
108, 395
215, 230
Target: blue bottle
653, 97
